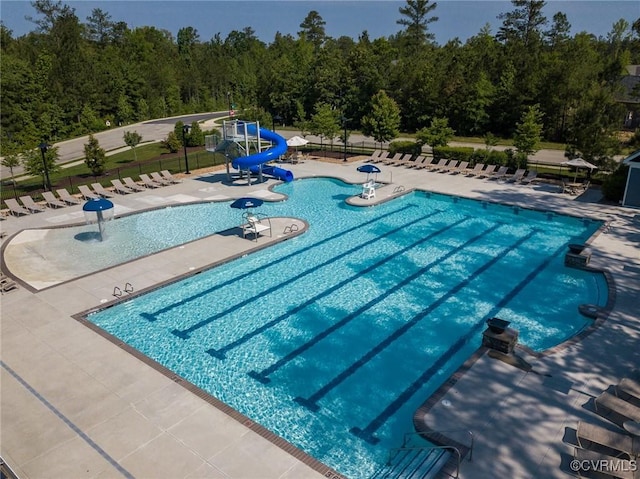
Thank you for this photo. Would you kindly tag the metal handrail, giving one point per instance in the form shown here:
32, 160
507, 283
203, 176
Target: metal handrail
393, 452
398, 189
117, 292
425, 434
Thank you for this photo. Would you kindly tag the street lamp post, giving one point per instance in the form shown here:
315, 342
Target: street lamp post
185, 130
275, 119
344, 124
43, 149
229, 102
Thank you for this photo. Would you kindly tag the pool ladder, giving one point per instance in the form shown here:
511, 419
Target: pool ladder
117, 292
290, 229
407, 447
398, 189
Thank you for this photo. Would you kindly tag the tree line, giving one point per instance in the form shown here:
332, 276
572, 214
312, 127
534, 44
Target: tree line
70, 77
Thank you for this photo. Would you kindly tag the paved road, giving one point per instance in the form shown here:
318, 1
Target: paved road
157, 130
153, 130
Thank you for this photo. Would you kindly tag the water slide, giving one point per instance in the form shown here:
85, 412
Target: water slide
253, 162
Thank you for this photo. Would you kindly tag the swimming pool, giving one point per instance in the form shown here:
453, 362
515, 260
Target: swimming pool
333, 339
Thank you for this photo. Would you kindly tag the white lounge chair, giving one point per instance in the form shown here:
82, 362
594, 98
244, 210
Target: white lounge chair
394, 160
169, 177
15, 208
86, 193
437, 166
98, 188
120, 188
148, 182
52, 201
67, 197
629, 387
128, 181
155, 176
31, 205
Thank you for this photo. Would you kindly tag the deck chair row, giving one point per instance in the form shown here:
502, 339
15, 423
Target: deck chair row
127, 185
480, 170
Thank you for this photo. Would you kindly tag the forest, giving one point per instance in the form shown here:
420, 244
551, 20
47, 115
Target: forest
70, 77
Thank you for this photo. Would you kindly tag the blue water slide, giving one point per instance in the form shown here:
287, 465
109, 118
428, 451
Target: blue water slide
253, 162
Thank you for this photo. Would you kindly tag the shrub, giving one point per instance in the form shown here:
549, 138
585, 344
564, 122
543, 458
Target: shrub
459, 153
613, 186
406, 147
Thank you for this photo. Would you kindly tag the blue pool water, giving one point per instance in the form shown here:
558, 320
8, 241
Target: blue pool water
333, 339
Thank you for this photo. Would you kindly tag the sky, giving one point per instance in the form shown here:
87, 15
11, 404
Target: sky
457, 18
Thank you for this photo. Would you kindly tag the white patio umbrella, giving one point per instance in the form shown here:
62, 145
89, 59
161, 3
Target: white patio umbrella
578, 163
297, 141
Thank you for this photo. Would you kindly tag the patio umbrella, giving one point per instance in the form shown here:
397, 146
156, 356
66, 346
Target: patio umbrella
297, 141
368, 169
246, 203
578, 163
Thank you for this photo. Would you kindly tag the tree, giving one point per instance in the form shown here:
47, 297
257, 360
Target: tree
416, 22
33, 165
94, 156
313, 29
439, 133
132, 139
324, 122
11, 157
172, 142
529, 131
383, 121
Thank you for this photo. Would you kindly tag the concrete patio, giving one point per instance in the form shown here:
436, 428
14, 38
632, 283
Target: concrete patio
74, 404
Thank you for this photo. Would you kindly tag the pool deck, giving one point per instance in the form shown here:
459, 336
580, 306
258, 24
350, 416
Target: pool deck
74, 404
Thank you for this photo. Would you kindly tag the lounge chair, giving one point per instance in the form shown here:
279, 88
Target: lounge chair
256, 225
98, 188
624, 468
67, 197
166, 174
437, 166
607, 403
487, 172
630, 388
450, 165
426, 163
128, 181
31, 205
460, 168
148, 182
395, 159
52, 201
155, 176
501, 173
376, 154
86, 193
15, 208
382, 156
517, 176
120, 188
415, 162
476, 170
7, 284
588, 434
529, 177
